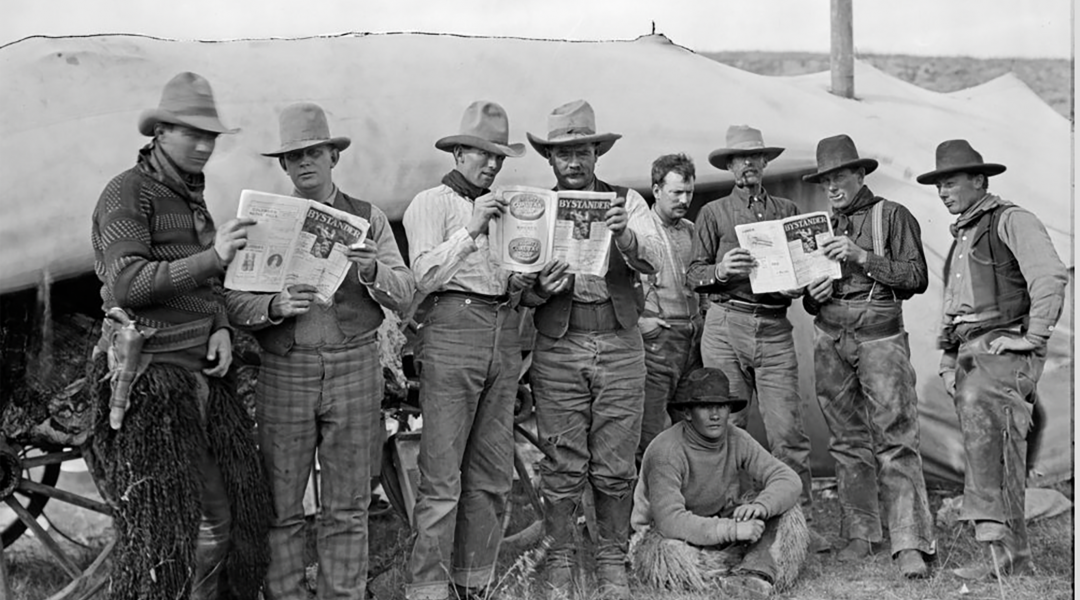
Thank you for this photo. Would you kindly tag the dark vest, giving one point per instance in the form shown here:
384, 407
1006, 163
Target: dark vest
624, 285
355, 310
996, 279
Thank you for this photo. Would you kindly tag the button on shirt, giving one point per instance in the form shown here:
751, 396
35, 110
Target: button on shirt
714, 236
442, 254
666, 293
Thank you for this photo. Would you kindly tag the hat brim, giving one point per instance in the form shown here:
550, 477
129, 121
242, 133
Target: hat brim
340, 143
719, 158
988, 169
152, 117
603, 141
868, 164
448, 143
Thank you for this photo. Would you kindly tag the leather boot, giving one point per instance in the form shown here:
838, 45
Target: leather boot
558, 529
613, 536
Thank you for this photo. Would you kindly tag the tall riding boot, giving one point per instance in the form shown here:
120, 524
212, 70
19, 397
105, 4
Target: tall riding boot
613, 525
558, 528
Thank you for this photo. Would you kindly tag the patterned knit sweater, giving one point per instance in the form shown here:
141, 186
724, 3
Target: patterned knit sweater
147, 251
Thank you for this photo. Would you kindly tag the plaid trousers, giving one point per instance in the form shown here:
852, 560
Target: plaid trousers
323, 401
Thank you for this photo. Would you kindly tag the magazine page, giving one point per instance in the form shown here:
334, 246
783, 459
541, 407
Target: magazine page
805, 235
581, 236
319, 257
766, 242
260, 265
521, 236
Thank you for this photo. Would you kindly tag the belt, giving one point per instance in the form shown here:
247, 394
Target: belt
482, 298
762, 310
965, 332
593, 316
890, 327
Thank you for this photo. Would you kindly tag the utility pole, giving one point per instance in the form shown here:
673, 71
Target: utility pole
842, 55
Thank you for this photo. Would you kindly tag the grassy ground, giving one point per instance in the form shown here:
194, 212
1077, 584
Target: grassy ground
33, 576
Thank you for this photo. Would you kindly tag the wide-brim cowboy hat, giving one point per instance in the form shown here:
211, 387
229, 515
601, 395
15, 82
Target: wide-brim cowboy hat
742, 140
957, 156
303, 125
839, 152
186, 100
706, 385
572, 124
484, 125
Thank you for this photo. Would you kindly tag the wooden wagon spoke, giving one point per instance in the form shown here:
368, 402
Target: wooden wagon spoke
51, 458
92, 580
46, 540
64, 496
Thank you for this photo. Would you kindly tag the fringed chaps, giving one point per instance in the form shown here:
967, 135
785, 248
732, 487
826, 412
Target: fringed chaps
149, 476
665, 563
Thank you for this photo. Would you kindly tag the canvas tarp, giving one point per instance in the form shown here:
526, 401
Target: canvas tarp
70, 106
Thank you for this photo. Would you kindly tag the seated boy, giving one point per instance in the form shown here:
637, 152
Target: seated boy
691, 522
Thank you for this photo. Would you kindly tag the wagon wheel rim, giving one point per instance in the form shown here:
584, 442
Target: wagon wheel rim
82, 583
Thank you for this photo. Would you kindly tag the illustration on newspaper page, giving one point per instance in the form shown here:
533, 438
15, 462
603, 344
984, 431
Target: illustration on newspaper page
788, 251
539, 225
293, 241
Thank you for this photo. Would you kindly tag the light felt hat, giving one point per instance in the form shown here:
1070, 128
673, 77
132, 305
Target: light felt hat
742, 140
571, 124
304, 125
957, 156
838, 152
186, 100
707, 386
485, 126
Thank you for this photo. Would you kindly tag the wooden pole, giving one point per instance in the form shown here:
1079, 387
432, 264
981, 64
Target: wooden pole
5, 589
842, 56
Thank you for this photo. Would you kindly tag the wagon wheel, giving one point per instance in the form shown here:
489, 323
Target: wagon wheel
29, 478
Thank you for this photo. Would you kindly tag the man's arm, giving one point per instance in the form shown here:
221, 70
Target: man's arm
664, 477
393, 284
781, 486
906, 268
645, 250
434, 257
1043, 270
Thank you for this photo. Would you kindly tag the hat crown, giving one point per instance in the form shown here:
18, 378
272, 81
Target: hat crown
188, 94
835, 151
708, 385
744, 137
573, 119
956, 153
303, 122
486, 120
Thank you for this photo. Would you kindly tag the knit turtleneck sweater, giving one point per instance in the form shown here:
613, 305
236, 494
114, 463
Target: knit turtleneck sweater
687, 480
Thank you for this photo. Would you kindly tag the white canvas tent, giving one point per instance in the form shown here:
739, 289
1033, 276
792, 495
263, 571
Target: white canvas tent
70, 106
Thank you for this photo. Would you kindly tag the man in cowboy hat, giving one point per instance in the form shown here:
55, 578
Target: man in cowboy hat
177, 448
864, 378
588, 370
671, 323
689, 501
467, 397
1004, 292
748, 335
320, 385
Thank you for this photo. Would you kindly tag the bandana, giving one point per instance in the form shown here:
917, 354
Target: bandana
161, 168
457, 182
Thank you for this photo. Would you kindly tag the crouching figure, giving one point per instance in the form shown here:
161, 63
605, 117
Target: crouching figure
695, 528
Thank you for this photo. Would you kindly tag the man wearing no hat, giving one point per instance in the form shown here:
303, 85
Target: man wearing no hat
588, 369
862, 363
1004, 292
469, 360
748, 335
320, 384
176, 449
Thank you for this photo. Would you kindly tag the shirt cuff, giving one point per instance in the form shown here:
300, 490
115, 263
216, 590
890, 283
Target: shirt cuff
874, 265
1040, 328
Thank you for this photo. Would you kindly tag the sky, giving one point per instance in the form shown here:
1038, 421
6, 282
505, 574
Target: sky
981, 28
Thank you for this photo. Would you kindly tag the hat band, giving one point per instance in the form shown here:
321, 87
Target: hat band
571, 132
755, 145
193, 111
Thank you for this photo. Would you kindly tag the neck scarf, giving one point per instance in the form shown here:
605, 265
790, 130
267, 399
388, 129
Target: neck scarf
974, 212
457, 182
160, 167
841, 217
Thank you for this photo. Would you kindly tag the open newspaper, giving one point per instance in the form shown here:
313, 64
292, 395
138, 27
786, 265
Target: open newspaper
539, 225
294, 240
788, 251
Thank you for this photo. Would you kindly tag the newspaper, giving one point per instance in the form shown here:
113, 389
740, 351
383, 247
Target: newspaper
294, 240
788, 251
540, 225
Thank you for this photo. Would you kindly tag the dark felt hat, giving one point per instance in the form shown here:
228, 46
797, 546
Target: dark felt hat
957, 156
838, 152
707, 386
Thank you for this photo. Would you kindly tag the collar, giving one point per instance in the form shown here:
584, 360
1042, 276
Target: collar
700, 442
974, 212
328, 200
744, 195
864, 199
679, 223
